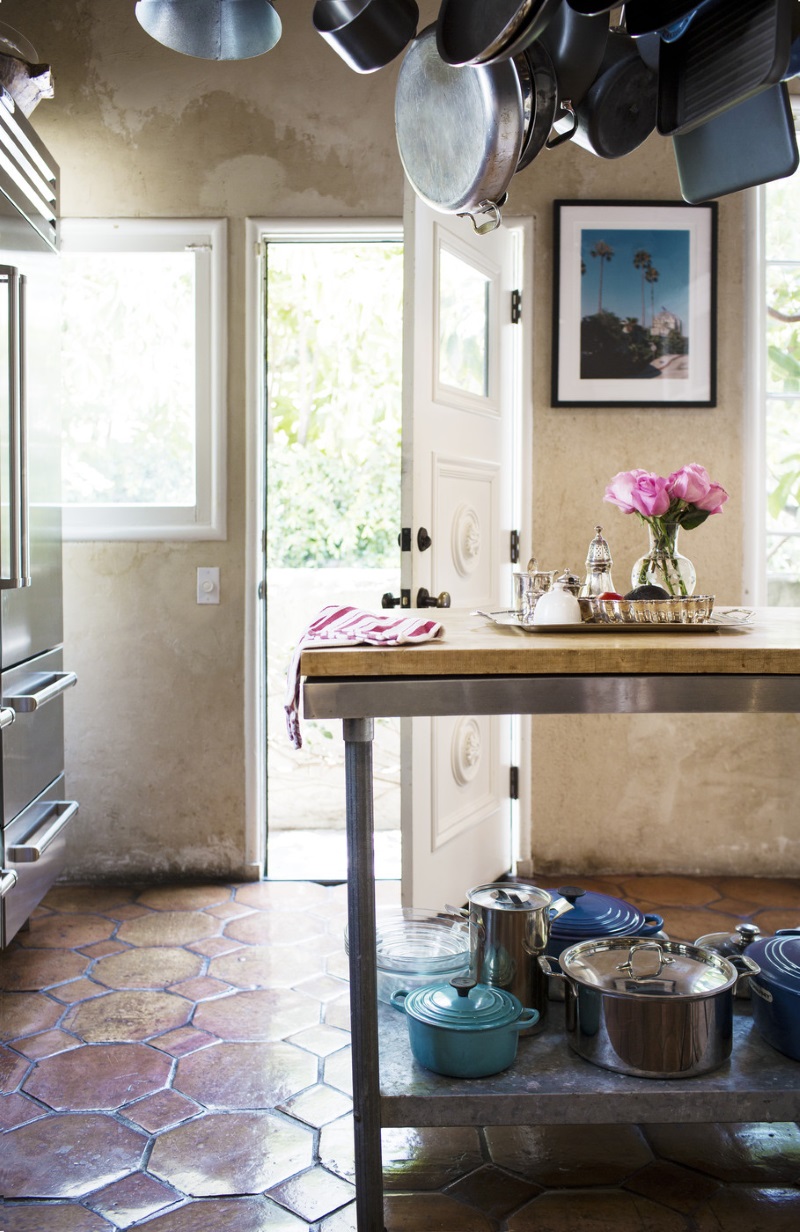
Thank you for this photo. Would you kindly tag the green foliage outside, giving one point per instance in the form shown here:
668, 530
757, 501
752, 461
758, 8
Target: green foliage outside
783, 387
334, 365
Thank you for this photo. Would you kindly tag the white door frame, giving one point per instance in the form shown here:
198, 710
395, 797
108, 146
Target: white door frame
258, 230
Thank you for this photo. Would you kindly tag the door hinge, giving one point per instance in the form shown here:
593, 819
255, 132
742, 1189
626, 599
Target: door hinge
514, 547
513, 782
516, 307
404, 539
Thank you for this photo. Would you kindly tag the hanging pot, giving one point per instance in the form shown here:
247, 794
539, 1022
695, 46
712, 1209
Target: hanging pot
545, 108
576, 45
652, 1009
647, 16
618, 111
460, 131
775, 991
597, 915
367, 34
474, 32
463, 1029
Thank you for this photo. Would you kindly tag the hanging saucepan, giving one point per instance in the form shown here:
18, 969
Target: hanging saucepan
460, 131
576, 45
646, 16
474, 32
618, 111
545, 106
367, 34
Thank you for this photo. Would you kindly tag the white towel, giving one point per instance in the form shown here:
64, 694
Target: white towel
347, 626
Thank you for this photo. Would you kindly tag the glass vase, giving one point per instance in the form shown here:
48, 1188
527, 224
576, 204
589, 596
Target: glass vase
663, 564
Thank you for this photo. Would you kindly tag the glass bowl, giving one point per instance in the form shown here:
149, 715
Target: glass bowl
417, 946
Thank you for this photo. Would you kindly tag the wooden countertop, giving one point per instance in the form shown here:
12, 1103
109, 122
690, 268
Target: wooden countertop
471, 646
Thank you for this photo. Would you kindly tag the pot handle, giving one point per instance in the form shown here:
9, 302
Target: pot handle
568, 133
745, 967
544, 965
528, 1018
663, 961
398, 999
652, 924
491, 208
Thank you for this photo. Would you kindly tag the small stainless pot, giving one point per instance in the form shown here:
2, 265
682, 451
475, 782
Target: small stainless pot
652, 1009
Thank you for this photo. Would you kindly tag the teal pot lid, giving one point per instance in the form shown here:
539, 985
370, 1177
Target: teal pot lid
461, 1006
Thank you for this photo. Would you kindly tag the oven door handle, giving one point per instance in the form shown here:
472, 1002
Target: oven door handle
57, 683
7, 717
57, 818
8, 879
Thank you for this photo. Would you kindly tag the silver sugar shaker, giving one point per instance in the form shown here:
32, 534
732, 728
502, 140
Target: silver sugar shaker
598, 578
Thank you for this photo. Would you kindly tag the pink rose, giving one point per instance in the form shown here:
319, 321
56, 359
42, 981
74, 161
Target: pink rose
639, 492
713, 500
691, 483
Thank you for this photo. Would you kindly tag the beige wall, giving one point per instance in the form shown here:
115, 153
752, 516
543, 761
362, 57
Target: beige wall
155, 730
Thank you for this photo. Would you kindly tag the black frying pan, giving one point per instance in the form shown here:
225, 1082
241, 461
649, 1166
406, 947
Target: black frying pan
646, 16
478, 32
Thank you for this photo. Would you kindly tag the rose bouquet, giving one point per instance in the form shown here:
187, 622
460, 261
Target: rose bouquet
683, 499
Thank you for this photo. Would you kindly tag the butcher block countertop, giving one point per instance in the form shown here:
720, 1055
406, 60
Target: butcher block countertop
472, 646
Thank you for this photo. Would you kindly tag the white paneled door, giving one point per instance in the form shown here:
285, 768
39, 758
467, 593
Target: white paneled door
461, 378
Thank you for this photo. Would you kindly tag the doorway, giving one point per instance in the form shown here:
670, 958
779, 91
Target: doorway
332, 307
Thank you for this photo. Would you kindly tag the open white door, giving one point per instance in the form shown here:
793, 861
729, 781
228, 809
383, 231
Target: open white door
461, 423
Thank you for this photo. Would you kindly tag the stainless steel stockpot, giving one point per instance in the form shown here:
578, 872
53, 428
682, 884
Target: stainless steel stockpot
653, 1009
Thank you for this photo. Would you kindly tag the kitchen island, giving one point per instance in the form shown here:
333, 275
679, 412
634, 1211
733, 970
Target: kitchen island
480, 668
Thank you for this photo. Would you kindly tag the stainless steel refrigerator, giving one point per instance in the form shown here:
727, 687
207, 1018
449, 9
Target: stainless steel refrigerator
35, 810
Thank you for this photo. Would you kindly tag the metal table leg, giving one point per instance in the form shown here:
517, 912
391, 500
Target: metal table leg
358, 734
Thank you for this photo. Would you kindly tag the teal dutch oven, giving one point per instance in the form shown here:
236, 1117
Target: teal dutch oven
463, 1029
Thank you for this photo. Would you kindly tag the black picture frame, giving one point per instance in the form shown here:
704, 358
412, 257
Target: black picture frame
612, 355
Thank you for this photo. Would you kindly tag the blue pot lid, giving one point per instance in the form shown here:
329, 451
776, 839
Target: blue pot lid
479, 1008
594, 915
779, 958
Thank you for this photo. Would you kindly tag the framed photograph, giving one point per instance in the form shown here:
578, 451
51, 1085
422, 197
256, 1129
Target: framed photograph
635, 303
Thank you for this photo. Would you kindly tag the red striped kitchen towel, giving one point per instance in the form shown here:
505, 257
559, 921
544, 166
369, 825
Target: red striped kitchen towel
347, 626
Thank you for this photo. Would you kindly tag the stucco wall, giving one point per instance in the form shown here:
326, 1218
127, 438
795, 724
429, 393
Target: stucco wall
155, 730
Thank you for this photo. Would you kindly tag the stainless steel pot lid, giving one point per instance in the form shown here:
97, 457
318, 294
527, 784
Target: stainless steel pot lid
515, 896
628, 968
779, 958
463, 1006
595, 915
459, 130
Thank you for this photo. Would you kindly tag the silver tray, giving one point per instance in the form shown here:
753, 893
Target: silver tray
732, 618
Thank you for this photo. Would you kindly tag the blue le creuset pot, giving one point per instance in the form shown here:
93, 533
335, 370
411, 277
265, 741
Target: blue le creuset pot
597, 915
463, 1029
775, 991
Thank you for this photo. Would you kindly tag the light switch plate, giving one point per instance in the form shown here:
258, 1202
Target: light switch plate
207, 584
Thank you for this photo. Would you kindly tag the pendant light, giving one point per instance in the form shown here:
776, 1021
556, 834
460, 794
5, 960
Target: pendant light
212, 29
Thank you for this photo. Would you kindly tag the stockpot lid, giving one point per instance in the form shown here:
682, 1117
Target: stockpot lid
510, 896
594, 915
463, 1005
779, 958
460, 131
626, 967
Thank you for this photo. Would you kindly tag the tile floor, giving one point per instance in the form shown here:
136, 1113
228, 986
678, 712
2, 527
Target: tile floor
176, 1058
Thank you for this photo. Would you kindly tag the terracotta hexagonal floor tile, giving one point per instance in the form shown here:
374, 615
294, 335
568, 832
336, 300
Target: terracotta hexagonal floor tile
161, 1111
184, 897
251, 1075
52, 1217
99, 1076
168, 928
322, 1040
493, 1191
317, 1105
265, 966
763, 1154
429, 1158
274, 928
261, 1014
231, 1153
46, 1044
27, 1013
227, 1215
672, 891
682, 1189
66, 932
284, 895
313, 1194
132, 1198
569, 1155
740, 1208
777, 917
16, 1109
120, 1017
425, 1212
594, 1211
147, 967
338, 1070
77, 990
92, 1149
37, 970
93, 898
765, 891
12, 1070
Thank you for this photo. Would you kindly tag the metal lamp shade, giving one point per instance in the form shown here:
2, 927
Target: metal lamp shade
211, 29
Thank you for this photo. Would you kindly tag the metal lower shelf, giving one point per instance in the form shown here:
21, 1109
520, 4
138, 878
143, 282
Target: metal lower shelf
550, 1084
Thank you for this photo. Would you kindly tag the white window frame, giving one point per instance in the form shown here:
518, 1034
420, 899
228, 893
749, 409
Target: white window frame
206, 519
754, 553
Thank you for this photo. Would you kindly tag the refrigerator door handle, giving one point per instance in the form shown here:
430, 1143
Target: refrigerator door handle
7, 717
19, 542
8, 879
56, 820
55, 685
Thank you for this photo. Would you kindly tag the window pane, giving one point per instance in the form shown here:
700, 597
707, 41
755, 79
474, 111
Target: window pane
129, 378
463, 326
